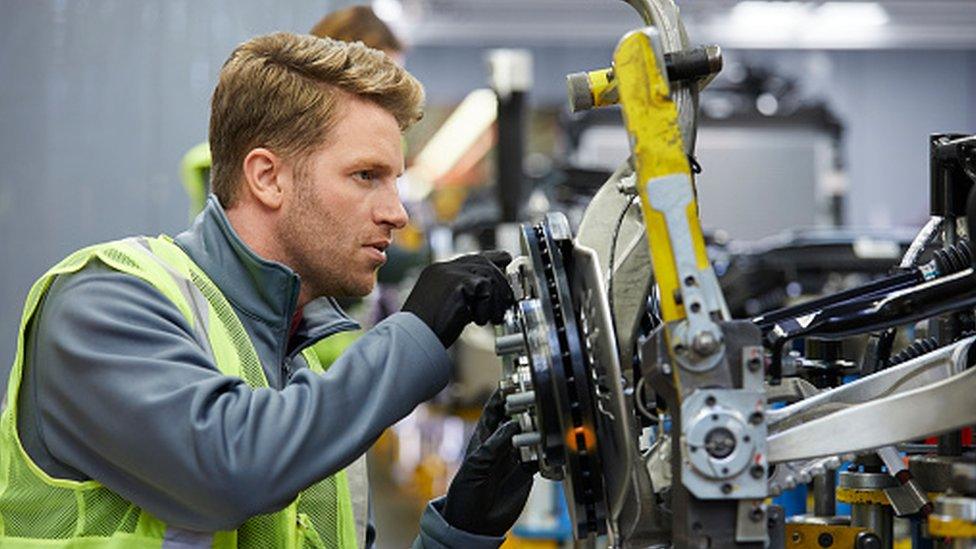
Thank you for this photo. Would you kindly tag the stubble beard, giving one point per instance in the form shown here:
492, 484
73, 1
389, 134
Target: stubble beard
315, 256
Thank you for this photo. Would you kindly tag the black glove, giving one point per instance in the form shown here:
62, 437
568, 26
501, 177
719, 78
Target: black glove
489, 491
449, 295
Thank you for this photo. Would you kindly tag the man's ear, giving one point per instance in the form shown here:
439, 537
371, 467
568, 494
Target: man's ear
265, 175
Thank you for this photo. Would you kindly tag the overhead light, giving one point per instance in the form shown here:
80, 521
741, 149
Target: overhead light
388, 10
860, 14
773, 15
806, 23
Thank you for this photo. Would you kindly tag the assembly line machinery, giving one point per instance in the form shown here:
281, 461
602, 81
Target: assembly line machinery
672, 424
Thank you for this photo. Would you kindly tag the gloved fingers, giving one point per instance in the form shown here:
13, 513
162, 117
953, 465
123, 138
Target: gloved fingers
500, 442
476, 290
491, 416
493, 413
493, 299
499, 258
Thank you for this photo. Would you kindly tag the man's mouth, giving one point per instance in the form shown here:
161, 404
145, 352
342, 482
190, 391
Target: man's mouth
378, 249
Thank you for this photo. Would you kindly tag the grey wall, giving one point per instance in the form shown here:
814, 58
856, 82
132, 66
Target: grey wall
98, 102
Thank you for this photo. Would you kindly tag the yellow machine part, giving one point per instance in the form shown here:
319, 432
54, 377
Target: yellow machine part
854, 496
515, 542
603, 87
651, 119
945, 527
809, 536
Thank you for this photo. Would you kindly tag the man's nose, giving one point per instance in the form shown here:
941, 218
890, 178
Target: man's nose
390, 211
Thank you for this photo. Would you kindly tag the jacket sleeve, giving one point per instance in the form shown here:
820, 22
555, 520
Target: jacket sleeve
436, 533
126, 396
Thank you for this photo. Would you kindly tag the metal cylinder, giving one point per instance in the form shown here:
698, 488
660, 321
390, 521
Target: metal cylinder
526, 439
519, 402
864, 490
509, 344
824, 501
876, 518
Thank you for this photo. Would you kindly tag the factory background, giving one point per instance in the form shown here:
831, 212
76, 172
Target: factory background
100, 100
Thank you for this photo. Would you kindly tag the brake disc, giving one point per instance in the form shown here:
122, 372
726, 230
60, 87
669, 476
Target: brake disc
565, 406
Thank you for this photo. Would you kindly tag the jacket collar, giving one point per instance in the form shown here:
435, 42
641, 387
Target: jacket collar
259, 289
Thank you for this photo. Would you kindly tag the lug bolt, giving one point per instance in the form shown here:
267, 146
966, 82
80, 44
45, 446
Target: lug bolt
523, 440
519, 402
509, 344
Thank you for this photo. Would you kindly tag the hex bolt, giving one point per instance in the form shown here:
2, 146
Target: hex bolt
796, 537
705, 343
754, 364
757, 471
710, 400
726, 488
523, 440
825, 540
756, 418
509, 344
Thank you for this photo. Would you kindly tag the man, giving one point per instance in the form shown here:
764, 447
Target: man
163, 393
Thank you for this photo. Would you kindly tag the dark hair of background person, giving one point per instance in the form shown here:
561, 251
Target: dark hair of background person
358, 23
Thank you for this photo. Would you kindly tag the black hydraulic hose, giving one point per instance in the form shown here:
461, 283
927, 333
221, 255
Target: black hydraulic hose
946, 261
948, 293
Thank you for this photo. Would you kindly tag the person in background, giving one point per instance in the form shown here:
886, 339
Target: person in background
360, 24
164, 392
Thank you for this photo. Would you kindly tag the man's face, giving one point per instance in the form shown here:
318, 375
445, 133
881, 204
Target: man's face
339, 220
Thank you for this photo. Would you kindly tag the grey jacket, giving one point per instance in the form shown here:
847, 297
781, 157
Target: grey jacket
117, 389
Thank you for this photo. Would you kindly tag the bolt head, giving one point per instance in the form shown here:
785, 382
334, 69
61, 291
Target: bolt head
867, 540
705, 343
720, 442
756, 514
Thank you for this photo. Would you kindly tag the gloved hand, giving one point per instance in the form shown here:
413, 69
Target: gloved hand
451, 294
491, 487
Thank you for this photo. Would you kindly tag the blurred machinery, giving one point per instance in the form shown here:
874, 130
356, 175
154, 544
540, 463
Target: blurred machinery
669, 422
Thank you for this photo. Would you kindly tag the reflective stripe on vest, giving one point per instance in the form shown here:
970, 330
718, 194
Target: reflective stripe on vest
38, 510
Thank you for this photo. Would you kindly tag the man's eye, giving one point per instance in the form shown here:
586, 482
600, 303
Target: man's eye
365, 175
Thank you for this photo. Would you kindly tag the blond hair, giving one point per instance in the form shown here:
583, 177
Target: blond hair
358, 23
281, 91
